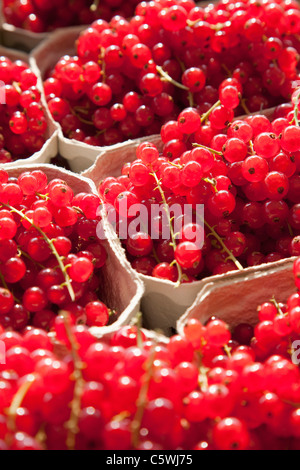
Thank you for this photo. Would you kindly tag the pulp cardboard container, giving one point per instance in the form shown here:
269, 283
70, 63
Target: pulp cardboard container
163, 302
80, 156
235, 297
122, 289
50, 147
19, 38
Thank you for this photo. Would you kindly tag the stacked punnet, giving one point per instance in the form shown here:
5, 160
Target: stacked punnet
227, 199
151, 302
39, 16
127, 77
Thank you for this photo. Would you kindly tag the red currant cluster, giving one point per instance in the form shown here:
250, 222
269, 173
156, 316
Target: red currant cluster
23, 122
50, 256
244, 173
40, 16
129, 77
211, 388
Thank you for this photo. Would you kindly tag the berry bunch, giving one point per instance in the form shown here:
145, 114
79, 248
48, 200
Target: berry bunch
23, 121
212, 388
129, 77
245, 173
50, 256
40, 16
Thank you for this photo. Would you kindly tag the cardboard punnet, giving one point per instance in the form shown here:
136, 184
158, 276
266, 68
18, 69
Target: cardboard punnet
235, 297
163, 303
122, 289
50, 147
80, 156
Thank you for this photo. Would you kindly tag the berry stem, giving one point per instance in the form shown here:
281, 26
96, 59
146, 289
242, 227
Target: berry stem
212, 182
216, 27
17, 402
190, 94
206, 115
43, 196
137, 321
224, 66
290, 230
251, 147
230, 255
52, 247
3, 281
202, 377
81, 119
26, 255
155, 255
17, 87
274, 302
94, 5
244, 106
227, 349
142, 400
81, 110
208, 148
72, 424
101, 62
167, 77
173, 238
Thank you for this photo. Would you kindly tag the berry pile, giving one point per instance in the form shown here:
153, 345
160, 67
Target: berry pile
245, 173
130, 76
23, 121
50, 256
40, 16
213, 388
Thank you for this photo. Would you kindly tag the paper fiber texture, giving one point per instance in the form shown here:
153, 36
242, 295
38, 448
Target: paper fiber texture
50, 147
122, 289
235, 297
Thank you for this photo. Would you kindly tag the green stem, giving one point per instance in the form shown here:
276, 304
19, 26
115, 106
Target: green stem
155, 255
230, 255
3, 281
208, 148
17, 301
16, 402
190, 94
212, 182
142, 400
26, 255
169, 79
166, 207
224, 66
72, 424
101, 62
52, 247
244, 106
43, 196
206, 115
279, 311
